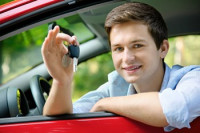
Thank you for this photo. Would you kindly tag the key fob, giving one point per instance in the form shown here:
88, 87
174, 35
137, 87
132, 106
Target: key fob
74, 51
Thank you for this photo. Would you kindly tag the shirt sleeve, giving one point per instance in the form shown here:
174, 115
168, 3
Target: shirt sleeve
86, 102
181, 106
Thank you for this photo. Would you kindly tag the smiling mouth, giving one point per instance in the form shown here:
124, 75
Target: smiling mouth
132, 68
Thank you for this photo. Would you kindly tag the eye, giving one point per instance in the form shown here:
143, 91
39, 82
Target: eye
138, 45
118, 49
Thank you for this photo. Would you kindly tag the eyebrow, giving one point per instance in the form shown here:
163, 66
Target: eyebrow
134, 41
139, 40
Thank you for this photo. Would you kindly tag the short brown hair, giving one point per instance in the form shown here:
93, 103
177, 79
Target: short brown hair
136, 11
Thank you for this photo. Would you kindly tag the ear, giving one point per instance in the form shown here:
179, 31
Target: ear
164, 48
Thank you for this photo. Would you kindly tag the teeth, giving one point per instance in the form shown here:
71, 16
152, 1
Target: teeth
136, 67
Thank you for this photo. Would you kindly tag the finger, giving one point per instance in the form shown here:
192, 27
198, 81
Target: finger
49, 38
75, 41
64, 37
48, 42
44, 49
63, 50
55, 31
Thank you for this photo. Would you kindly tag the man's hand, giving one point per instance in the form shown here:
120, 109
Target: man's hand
100, 105
53, 50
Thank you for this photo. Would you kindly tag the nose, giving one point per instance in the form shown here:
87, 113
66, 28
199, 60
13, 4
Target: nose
128, 56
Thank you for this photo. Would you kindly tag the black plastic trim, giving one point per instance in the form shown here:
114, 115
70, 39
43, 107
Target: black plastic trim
53, 118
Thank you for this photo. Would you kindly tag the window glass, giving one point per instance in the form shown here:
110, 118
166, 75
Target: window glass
76, 25
91, 74
184, 50
22, 52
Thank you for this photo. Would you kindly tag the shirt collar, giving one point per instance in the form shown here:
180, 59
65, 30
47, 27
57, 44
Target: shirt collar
131, 90
166, 77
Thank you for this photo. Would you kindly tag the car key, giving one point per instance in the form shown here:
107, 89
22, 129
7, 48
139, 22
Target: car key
74, 52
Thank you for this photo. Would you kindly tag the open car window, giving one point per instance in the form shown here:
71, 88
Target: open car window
22, 52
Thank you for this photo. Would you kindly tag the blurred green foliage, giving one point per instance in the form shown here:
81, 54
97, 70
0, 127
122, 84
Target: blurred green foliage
21, 52
91, 74
4, 1
184, 50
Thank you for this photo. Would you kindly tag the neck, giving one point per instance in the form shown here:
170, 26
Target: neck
153, 84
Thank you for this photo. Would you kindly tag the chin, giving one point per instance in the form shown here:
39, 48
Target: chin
131, 80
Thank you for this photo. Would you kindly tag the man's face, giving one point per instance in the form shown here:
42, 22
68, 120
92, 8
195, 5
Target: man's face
134, 52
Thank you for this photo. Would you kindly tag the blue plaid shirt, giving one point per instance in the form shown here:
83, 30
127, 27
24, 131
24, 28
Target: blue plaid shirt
179, 95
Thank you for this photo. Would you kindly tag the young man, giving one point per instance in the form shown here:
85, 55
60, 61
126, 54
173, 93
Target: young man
143, 87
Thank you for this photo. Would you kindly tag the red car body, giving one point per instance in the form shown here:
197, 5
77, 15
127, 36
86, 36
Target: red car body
114, 124
64, 124
18, 8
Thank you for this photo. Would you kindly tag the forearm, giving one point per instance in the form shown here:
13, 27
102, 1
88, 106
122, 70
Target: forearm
143, 107
59, 100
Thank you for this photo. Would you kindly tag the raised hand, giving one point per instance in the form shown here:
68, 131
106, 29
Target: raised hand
53, 51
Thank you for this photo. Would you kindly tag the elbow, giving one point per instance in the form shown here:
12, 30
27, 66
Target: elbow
54, 112
162, 122
45, 113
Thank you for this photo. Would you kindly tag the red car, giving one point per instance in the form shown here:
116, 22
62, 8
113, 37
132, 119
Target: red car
25, 82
